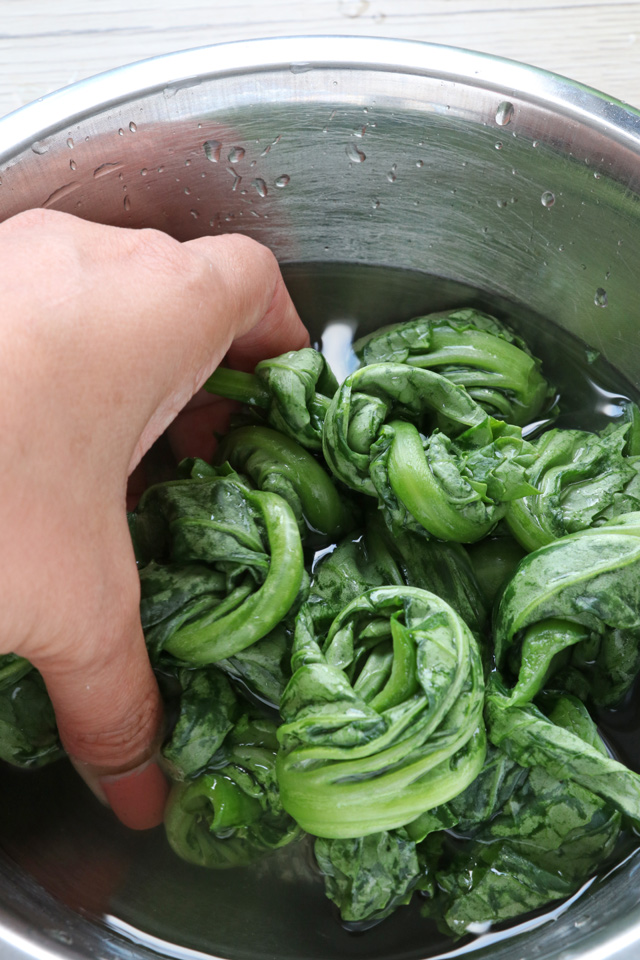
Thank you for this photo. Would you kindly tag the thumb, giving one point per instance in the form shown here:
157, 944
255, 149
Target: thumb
105, 696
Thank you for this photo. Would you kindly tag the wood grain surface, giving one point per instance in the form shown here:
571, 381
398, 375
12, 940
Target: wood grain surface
46, 44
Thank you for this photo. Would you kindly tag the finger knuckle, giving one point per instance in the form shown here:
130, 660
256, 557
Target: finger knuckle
157, 252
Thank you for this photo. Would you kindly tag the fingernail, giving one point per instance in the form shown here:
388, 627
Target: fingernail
138, 796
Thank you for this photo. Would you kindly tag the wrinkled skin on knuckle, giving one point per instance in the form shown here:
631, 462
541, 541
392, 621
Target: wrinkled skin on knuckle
116, 748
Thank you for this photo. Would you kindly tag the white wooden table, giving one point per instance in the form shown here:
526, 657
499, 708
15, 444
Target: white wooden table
46, 44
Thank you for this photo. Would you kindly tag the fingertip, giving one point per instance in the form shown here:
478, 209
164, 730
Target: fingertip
137, 797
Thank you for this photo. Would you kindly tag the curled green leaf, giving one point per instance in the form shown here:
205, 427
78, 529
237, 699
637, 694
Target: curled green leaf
582, 479
533, 739
224, 566
456, 489
232, 815
383, 715
470, 348
573, 607
293, 389
278, 464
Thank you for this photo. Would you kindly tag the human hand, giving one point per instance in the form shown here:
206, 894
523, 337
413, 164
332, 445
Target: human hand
107, 335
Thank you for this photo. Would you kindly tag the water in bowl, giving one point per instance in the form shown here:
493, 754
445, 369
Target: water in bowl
56, 832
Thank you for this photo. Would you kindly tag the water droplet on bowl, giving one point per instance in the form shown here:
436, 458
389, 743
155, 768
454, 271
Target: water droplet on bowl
375, 204
236, 154
106, 168
133, 127
547, 199
499, 145
601, 299
302, 67
70, 143
144, 172
355, 155
392, 175
127, 203
40, 147
195, 214
504, 113
72, 165
260, 186
121, 132
212, 150
283, 180
419, 163
596, 175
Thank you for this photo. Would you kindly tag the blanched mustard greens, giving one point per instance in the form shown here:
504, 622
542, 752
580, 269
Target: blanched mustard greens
382, 716
380, 438
581, 480
231, 814
570, 615
221, 633
278, 464
472, 349
222, 566
293, 390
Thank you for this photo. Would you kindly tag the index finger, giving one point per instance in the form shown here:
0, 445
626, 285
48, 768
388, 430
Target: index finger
279, 329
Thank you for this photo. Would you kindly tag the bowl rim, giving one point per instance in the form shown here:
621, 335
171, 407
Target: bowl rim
190, 67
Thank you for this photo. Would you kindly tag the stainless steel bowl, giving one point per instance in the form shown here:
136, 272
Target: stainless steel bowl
389, 177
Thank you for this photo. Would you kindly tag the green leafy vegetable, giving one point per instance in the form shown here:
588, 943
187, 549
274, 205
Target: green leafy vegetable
368, 877
533, 739
232, 815
580, 591
225, 566
278, 464
472, 349
540, 843
582, 480
294, 391
455, 489
28, 731
383, 716
208, 710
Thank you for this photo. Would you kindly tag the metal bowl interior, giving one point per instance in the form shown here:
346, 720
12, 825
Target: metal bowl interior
389, 178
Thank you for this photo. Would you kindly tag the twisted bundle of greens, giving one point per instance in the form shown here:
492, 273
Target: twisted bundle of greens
292, 390
542, 836
222, 566
382, 716
581, 479
231, 814
455, 482
571, 615
472, 349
